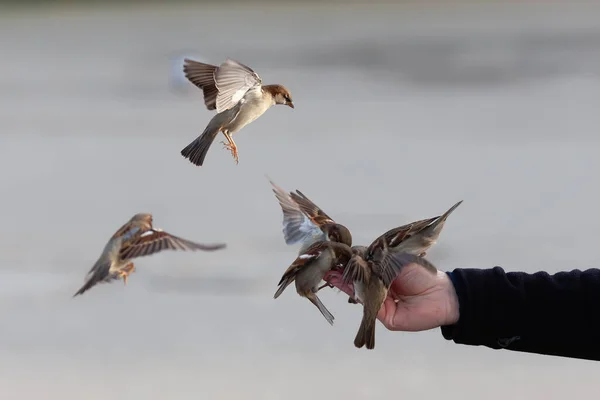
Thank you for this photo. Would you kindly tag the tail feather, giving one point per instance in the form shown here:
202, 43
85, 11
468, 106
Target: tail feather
100, 273
447, 213
317, 302
196, 151
282, 285
365, 334
439, 223
87, 286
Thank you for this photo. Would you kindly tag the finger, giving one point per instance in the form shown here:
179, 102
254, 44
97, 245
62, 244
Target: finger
387, 312
335, 278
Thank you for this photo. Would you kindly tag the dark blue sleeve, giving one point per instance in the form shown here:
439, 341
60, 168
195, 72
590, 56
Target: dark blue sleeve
538, 313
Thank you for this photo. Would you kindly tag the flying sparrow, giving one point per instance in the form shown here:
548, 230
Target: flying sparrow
371, 271
238, 95
136, 238
309, 268
305, 222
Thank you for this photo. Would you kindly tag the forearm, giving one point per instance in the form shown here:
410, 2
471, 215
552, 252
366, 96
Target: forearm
539, 313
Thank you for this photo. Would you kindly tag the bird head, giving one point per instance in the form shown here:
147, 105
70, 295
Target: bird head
339, 233
280, 95
142, 220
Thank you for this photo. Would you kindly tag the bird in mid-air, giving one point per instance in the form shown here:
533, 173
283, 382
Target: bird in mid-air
238, 95
136, 238
309, 268
307, 223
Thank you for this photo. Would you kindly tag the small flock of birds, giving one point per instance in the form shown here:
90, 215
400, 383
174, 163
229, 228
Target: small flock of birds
326, 253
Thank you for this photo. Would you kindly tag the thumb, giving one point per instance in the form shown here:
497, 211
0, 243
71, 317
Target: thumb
387, 313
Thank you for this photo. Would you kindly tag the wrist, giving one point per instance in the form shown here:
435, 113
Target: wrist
452, 305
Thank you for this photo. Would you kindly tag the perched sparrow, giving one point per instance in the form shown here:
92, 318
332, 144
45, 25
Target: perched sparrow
371, 272
309, 268
305, 222
137, 238
239, 97
417, 237
413, 238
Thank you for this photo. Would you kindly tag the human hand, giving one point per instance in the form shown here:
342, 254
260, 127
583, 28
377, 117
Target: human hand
417, 300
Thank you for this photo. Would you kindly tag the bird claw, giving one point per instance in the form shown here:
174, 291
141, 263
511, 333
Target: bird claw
325, 285
233, 149
126, 271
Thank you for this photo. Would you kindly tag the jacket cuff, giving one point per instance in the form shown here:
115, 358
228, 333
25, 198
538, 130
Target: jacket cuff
482, 316
449, 332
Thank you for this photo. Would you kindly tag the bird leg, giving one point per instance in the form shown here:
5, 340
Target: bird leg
325, 285
231, 146
126, 271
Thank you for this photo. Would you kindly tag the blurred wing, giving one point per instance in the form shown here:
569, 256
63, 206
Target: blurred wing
392, 264
233, 80
314, 212
155, 241
297, 226
202, 75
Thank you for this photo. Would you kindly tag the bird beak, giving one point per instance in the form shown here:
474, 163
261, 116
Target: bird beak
290, 104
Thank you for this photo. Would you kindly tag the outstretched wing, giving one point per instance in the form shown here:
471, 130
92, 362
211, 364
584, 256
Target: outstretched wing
313, 211
155, 241
233, 79
300, 222
202, 75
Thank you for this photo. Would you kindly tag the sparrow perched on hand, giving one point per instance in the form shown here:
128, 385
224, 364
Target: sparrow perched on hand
238, 95
417, 237
413, 238
371, 272
309, 268
305, 222
136, 238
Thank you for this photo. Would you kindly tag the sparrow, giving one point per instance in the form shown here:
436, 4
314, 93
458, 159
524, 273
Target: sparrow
371, 271
305, 222
413, 238
136, 238
238, 95
309, 268
416, 237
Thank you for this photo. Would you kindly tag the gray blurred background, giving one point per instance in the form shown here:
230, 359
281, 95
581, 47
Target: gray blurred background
401, 110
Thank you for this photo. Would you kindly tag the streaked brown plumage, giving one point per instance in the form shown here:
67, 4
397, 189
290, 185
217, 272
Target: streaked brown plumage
305, 222
416, 237
371, 271
136, 238
309, 268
